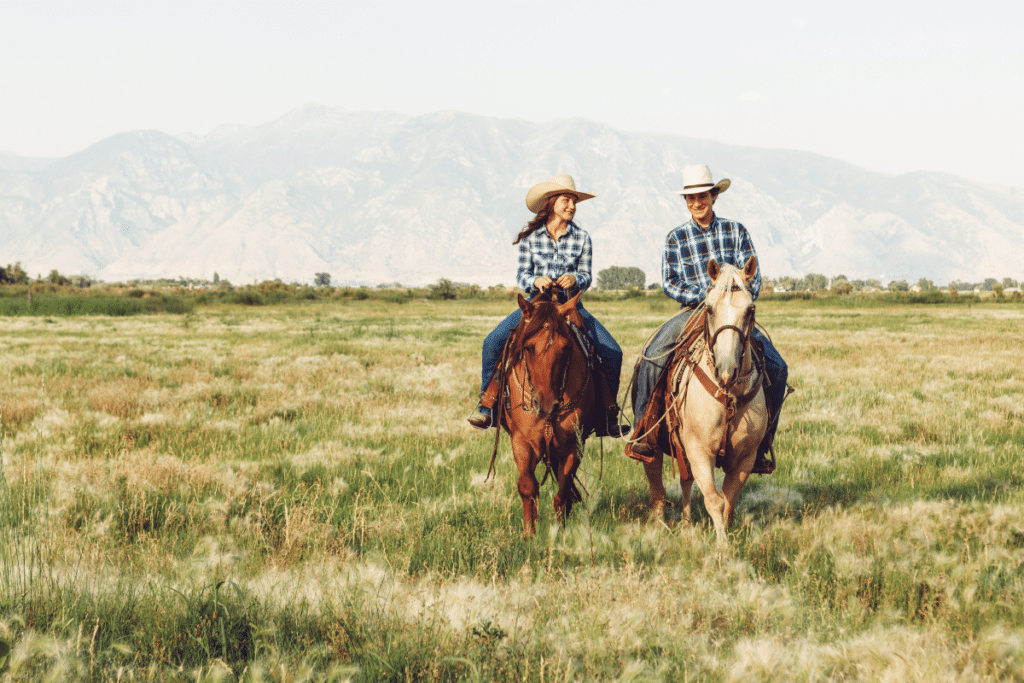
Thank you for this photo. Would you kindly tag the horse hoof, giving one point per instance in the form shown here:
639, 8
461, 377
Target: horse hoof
657, 513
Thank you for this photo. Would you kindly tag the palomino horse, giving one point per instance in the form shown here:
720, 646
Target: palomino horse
716, 405
549, 395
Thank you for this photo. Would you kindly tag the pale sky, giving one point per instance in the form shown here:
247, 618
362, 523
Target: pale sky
891, 86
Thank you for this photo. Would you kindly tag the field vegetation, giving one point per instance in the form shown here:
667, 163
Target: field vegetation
288, 491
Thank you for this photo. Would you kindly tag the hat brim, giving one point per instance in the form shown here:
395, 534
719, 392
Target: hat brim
539, 194
722, 185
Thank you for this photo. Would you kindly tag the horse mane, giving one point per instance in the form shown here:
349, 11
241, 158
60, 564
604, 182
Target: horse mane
729, 276
546, 311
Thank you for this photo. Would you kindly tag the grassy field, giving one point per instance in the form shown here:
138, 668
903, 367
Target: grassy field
291, 493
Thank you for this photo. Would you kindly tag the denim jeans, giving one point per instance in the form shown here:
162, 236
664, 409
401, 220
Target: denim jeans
609, 353
648, 372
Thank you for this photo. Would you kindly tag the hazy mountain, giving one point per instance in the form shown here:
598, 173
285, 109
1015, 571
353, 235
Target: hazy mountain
381, 197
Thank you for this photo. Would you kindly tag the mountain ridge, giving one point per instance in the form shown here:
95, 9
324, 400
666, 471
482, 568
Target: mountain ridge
381, 197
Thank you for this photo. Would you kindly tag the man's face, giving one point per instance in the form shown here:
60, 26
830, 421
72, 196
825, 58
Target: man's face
700, 206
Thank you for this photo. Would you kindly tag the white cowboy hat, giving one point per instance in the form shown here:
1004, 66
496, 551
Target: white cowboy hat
560, 184
697, 179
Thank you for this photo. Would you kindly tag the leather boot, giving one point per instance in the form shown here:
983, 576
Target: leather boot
610, 425
649, 435
483, 418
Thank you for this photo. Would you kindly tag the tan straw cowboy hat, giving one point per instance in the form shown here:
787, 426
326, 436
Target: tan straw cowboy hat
697, 179
560, 184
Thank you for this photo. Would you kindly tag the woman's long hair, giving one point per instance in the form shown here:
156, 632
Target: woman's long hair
538, 221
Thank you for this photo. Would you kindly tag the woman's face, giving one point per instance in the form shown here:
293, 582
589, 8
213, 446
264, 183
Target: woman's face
564, 207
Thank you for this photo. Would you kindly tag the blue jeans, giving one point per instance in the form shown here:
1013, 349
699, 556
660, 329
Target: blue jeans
648, 372
609, 353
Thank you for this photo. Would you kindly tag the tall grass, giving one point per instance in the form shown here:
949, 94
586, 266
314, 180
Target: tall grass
291, 492
85, 305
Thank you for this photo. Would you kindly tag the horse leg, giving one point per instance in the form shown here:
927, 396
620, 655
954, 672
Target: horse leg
654, 480
731, 488
529, 489
702, 468
686, 485
567, 494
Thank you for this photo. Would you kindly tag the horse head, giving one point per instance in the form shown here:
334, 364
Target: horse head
730, 317
546, 346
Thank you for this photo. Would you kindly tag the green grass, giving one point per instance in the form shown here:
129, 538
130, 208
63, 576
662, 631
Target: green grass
65, 306
291, 493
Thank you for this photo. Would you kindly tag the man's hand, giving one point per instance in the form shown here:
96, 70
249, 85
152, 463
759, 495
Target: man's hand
543, 282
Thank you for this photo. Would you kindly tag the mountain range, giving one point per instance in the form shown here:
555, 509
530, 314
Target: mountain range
378, 197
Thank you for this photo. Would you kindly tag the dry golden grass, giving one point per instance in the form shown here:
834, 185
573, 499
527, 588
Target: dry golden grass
317, 459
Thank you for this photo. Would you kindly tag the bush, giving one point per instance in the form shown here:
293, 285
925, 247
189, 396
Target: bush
248, 297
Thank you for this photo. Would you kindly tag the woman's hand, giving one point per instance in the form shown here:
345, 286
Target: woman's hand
543, 282
566, 281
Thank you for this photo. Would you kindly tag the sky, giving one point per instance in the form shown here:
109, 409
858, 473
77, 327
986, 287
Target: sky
893, 86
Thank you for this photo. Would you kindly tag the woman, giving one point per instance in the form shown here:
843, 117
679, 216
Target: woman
553, 251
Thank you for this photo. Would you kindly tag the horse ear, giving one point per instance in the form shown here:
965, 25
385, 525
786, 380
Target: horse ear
714, 270
570, 305
750, 270
525, 306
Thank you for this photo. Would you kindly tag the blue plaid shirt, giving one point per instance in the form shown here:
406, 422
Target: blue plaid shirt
540, 255
688, 249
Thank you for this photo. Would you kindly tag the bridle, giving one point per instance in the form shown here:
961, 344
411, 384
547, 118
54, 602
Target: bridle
710, 338
531, 404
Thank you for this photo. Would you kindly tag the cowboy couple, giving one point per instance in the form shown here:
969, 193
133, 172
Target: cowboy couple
555, 253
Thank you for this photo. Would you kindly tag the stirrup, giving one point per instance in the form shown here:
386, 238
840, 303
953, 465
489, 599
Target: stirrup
481, 421
640, 451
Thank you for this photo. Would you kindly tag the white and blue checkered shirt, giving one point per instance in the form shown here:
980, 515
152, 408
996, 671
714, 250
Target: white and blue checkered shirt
688, 248
540, 255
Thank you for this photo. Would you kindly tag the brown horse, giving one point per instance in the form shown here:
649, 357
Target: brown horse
549, 397
716, 414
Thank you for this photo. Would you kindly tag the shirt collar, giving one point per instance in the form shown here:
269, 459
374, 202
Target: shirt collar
568, 232
701, 229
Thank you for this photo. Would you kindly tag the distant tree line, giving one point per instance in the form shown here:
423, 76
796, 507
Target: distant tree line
14, 275
816, 282
613, 278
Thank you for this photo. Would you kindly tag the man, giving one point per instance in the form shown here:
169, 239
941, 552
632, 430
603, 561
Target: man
685, 278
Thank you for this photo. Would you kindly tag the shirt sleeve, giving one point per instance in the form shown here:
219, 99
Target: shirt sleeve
745, 249
678, 277
524, 275
584, 264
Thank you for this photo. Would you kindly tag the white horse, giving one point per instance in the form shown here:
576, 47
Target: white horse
717, 413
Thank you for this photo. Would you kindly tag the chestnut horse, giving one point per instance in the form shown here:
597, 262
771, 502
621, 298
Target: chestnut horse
547, 397
716, 414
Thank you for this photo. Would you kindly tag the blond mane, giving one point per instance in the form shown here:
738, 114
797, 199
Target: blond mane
729, 276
